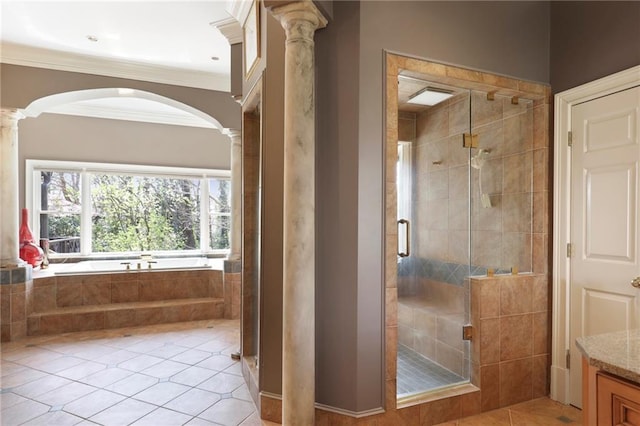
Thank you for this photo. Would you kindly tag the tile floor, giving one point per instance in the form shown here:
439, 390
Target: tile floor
539, 412
170, 374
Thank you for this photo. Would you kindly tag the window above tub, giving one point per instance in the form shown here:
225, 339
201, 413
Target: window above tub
89, 209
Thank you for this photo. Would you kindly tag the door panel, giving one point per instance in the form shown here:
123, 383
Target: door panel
604, 220
610, 198
604, 312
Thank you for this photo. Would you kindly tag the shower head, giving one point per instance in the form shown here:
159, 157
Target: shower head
477, 161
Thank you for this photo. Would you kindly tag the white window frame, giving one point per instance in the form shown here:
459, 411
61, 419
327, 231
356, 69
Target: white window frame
33, 188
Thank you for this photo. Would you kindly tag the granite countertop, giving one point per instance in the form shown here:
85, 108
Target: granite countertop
616, 353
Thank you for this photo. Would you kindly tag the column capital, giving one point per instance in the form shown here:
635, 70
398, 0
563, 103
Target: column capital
234, 134
11, 116
293, 15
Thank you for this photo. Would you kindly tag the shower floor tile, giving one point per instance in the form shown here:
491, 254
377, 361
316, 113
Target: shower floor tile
419, 374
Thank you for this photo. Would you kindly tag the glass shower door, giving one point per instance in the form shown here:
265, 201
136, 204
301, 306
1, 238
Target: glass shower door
434, 244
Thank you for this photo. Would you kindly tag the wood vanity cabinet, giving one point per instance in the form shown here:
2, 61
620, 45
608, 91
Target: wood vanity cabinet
611, 378
618, 401
608, 400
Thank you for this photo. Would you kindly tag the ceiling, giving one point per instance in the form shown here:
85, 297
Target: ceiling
170, 42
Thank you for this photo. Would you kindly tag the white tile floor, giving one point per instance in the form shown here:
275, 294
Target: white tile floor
171, 374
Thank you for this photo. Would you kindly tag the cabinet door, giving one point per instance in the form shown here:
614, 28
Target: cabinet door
618, 402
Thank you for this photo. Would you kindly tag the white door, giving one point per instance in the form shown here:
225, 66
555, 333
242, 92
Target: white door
604, 220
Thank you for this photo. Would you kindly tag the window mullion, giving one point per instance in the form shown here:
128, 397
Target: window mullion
204, 216
85, 217
35, 203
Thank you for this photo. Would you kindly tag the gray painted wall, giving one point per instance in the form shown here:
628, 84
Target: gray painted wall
72, 138
590, 40
510, 38
337, 93
23, 85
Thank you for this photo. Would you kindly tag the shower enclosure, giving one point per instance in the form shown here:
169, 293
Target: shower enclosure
464, 197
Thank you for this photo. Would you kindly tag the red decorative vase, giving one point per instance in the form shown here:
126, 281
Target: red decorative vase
25, 235
32, 254
29, 251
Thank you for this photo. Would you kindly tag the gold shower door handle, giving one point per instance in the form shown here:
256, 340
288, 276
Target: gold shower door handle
407, 236
636, 282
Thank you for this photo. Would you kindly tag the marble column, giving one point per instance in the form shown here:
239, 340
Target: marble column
300, 21
9, 220
236, 194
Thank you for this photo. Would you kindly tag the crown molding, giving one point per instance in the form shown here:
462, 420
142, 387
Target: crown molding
239, 9
131, 115
230, 28
63, 61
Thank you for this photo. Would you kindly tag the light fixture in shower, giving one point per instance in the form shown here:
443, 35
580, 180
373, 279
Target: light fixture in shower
430, 96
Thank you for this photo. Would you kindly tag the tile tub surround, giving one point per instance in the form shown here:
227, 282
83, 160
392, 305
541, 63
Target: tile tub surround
616, 353
97, 301
232, 289
16, 289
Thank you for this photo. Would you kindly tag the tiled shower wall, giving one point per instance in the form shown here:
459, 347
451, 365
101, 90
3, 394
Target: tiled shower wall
501, 234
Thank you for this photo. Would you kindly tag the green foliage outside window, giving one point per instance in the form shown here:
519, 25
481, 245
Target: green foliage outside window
136, 213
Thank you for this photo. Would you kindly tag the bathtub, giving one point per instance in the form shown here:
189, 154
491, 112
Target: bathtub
105, 266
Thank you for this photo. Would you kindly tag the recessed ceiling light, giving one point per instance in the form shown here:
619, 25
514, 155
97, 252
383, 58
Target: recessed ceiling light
92, 38
430, 96
215, 58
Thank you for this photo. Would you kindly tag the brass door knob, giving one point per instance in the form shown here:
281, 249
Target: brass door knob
636, 282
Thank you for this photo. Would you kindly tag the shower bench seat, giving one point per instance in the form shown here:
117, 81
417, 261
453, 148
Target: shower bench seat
432, 329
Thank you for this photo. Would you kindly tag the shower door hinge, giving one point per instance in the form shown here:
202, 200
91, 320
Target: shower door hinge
569, 249
467, 332
470, 140
567, 360
570, 139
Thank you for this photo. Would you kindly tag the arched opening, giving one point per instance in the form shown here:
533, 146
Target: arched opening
61, 101
133, 142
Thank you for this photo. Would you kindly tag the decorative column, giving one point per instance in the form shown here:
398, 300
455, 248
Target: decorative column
233, 264
236, 193
16, 283
300, 21
9, 222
